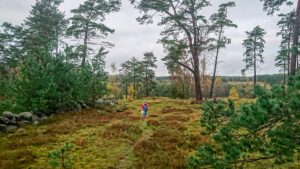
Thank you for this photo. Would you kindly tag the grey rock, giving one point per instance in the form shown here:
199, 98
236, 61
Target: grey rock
25, 116
100, 101
4, 120
35, 123
39, 114
2, 127
10, 128
13, 121
23, 122
17, 117
35, 120
44, 118
8, 114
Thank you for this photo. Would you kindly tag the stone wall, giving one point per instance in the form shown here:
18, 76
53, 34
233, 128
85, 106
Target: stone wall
10, 121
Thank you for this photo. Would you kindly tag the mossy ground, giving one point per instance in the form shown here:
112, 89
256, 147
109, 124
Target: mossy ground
113, 137
110, 138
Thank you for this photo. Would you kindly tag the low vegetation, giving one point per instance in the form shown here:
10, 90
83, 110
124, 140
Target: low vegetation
112, 140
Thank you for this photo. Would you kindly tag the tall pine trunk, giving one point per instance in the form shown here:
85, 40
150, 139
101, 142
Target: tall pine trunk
215, 66
84, 53
284, 72
295, 41
254, 76
147, 85
289, 53
126, 89
198, 91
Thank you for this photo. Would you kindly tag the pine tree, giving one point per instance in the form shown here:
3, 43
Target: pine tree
266, 130
87, 23
254, 45
271, 6
282, 61
183, 23
125, 79
114, 84
11, 49
286, 24
219, 23
148, 64
135, 74
44, 28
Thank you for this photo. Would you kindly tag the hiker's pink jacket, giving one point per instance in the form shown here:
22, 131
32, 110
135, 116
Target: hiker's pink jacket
147, 106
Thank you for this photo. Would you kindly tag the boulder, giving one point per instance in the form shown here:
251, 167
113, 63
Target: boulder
100, 101
23, 122
35, 119
8, 114
43, 118
13, 121
4, 120
39, 114
2, 127
11, 127
25, 116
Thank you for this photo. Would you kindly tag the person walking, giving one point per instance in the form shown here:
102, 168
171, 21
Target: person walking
145, 109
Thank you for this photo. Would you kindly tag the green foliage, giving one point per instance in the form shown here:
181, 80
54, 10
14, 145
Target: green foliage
60, 158
87, 24
43, 33
139, 74
40, 72
265, 130
220, 21
272, 6
283, 59
254, 45
182, 21
148, 74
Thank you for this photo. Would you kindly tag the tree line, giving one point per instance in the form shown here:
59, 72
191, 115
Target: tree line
41, 67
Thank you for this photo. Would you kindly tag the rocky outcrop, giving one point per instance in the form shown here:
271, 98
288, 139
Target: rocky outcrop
10, 121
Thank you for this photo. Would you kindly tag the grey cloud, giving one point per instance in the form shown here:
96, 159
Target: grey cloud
132, 39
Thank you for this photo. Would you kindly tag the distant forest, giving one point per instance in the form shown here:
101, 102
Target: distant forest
269, 79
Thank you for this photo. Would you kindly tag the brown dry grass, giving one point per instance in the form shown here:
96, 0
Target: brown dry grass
151, 122
163, 140
81, 142
122, 130
181, 118
175, 125
162, 150
41, 139
15, 159
167, 110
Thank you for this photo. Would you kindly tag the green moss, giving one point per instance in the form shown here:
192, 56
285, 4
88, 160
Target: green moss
112, 140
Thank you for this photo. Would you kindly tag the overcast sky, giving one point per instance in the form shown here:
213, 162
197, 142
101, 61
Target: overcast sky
133, 39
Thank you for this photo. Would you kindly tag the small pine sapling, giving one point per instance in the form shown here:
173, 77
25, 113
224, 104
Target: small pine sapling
60, 158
